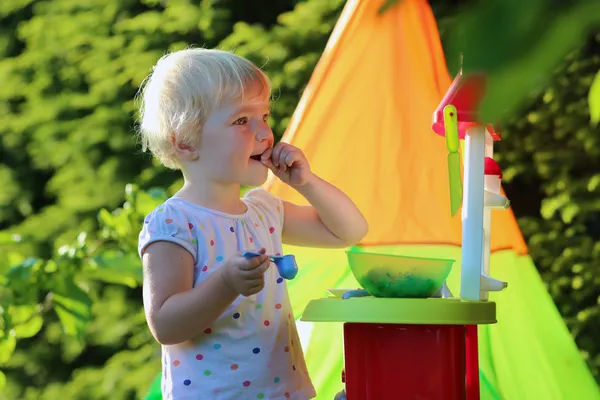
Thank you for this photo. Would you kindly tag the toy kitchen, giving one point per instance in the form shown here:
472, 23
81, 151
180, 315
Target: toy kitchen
406, 336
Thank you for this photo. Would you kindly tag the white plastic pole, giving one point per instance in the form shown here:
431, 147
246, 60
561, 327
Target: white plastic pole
472, 214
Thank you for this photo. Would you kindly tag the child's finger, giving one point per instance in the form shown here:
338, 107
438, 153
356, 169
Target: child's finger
259, 270
256, 282
266, 155
291, 157
281, 158
269, 164
256, 287
248, 264
257, 261
276, 153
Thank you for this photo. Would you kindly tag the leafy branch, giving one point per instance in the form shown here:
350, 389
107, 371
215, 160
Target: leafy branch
32, 288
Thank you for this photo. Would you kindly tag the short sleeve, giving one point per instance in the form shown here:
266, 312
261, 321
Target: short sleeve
268, 203
167, 223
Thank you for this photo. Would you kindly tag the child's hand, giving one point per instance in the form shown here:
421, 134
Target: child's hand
246, 276
288, 163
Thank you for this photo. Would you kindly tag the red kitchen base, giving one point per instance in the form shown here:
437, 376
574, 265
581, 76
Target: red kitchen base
409, 362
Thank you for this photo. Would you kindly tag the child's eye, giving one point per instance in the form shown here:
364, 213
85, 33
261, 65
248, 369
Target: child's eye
241, 121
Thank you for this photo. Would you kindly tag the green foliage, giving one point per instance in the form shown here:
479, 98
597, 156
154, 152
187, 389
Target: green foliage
551, 157
71, 71
71, 319
70, 289
522, 44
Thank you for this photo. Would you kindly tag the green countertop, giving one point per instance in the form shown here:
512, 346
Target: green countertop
432, 311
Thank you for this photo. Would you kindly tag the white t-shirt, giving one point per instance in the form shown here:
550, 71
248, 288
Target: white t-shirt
252, 351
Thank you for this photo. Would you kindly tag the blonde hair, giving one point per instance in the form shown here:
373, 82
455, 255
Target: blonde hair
181, 92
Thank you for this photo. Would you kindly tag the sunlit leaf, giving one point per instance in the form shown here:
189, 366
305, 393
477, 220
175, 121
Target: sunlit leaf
594, 100
105, 217
23, 313
569, 212
26, 320
8, 344
552, 205
29, 328
593, 183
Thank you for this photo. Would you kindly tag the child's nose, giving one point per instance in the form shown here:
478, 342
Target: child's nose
264, 134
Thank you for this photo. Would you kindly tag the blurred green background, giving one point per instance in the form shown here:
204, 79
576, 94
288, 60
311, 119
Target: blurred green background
74, 186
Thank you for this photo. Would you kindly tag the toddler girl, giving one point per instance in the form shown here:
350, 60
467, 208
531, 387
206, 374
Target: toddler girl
225, 322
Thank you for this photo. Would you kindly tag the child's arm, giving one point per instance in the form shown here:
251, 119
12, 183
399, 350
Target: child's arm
176, 312
332, 220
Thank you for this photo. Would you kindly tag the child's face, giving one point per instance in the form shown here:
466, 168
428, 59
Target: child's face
231, 135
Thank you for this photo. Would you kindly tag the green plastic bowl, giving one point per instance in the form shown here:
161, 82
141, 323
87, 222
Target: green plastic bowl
386, 275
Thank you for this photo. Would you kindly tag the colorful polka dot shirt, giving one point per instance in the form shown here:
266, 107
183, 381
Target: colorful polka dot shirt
252, 351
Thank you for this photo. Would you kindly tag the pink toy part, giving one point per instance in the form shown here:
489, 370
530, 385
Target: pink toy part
465, 93
491, 167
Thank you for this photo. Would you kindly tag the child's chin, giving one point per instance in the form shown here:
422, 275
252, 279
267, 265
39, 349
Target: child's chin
257, 179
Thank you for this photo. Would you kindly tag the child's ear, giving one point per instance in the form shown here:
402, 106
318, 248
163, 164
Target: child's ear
184, 151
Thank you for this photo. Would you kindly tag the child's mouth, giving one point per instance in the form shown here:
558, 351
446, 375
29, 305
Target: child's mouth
256, 157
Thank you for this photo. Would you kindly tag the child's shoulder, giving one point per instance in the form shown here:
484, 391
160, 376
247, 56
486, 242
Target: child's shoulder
169, 212
171, 222
176, 208
177, 214
263, 198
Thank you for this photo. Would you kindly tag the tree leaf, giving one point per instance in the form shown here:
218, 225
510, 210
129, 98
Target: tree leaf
23, 280
594, 100
569, 212
73, 307
29, 328
105, 217
8, 343
22, 313
2, 380
26, 320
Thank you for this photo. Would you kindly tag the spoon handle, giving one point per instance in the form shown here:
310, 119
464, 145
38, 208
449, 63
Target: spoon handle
252, 254
355, 293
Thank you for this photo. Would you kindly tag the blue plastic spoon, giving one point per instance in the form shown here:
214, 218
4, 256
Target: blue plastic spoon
286, 265
355, 293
